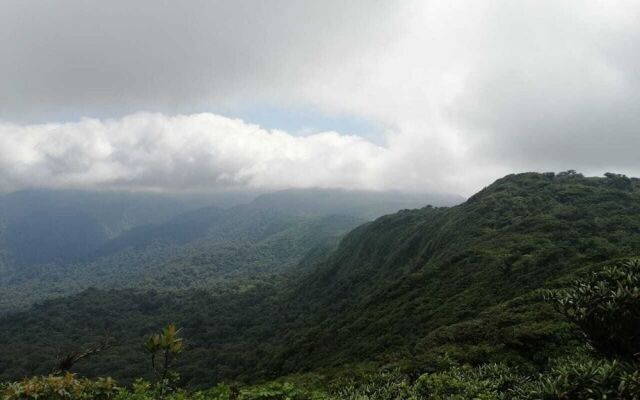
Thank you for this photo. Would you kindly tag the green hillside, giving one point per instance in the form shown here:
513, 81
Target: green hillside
70, 226
57, 243
394, 281
406, 291
210, 249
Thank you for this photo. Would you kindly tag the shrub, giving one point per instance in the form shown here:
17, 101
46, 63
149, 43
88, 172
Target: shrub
385, 385
67, 387
490, 381
276, 391
606, 308
581, 378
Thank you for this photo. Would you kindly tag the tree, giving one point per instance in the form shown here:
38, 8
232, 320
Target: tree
169, 345
618, 181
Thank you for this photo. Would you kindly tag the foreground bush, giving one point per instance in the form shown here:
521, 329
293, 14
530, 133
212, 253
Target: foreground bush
69, 387
491, 381
385, 385
606, 307
580, 378
577, 378
66, 387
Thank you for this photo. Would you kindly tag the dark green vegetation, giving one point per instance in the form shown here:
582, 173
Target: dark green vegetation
256, 248
605, 308
59, 243
589, 373
457, 293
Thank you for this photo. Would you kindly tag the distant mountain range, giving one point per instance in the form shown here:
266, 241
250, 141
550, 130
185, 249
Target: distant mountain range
54, 243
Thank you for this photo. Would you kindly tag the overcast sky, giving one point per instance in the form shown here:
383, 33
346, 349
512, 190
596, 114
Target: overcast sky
410, 95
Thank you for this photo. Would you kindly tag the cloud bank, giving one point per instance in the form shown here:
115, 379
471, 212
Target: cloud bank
194, 152
463, 92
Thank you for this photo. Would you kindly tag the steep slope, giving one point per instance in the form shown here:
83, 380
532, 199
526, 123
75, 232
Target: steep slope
396, 279
401, 290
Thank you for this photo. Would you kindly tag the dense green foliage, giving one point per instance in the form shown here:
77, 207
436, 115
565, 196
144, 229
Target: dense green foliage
573, 379
67, 225
60, 388
451, 301
606, 307
116, 240
394, 282
210, 248
70, 387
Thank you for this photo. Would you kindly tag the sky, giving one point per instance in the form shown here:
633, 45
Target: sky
384, 95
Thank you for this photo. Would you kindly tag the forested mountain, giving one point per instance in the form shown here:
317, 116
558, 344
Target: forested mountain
395, 285
44, 226
407, 290
64, 226
58, 243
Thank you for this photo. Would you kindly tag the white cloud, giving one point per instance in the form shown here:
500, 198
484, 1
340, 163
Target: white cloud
200, 151
476, 90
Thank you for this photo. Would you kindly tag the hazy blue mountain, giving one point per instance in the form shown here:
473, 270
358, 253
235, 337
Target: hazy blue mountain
43, 226
179, 230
